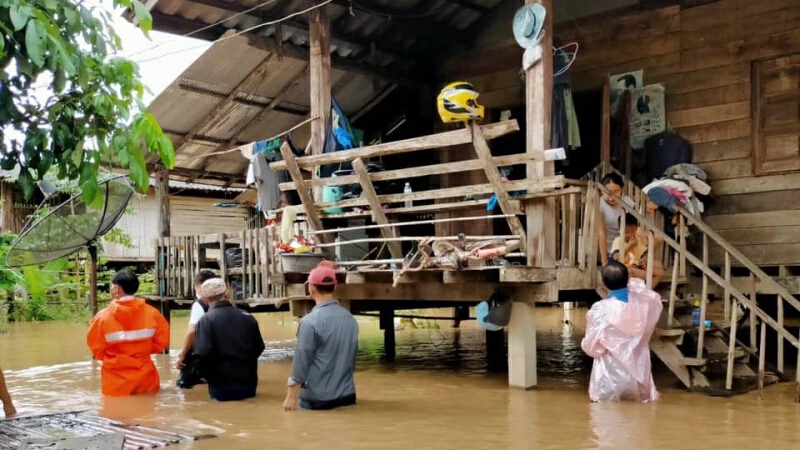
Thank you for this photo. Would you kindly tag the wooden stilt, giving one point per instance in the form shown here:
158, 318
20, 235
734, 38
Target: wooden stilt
731, 347
495, 350
387, 325
522, 346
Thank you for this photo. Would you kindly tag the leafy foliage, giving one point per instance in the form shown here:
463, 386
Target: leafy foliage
93, 114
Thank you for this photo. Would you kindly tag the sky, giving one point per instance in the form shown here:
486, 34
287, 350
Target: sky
161, 58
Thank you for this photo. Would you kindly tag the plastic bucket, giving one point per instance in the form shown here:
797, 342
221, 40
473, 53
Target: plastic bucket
332, 194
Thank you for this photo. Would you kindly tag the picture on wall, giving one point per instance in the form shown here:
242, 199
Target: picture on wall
647, 113
622, 81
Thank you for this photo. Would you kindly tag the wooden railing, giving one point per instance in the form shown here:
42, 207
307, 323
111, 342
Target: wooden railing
181, 257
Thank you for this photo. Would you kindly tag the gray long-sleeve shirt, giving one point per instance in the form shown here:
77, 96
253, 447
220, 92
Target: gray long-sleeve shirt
325, 358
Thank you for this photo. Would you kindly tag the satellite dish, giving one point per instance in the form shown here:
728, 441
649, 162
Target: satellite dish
56, 232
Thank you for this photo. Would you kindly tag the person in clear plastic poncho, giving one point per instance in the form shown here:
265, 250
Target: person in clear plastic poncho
618, 331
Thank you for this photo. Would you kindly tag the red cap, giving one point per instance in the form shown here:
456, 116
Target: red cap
322, 275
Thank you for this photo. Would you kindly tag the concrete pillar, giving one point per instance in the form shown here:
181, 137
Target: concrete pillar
522, 346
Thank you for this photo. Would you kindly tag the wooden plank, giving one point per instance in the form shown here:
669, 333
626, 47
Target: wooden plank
305, 197
510, 274
655, 68
320, 78
378, 216
758, 184
759, 202
739, 148
754, 220
718, 131
723, 170
413, 172
503, 199
433, 141
768, 23
763, 255
619, 53
538, 292
504, 55
716, 14
762, 235
753, 48
621, 28
699, 80
709, 114
535, 185
722, 95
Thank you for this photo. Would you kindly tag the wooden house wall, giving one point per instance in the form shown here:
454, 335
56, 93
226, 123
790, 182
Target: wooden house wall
188, 216
705, 57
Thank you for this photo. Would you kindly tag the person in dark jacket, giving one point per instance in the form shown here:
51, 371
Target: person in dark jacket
228, 342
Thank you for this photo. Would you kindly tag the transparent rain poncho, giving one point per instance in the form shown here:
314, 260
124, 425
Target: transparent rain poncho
617, 337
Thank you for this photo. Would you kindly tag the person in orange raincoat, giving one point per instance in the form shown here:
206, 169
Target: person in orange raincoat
123, 336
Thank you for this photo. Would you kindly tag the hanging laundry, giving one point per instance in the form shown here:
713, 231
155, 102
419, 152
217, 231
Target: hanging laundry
685, 171
574, 134
266, 181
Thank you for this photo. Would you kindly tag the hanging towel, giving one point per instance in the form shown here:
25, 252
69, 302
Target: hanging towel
574, 134
266, 183
287, 225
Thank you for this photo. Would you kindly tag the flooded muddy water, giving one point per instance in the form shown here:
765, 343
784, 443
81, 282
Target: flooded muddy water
436, 394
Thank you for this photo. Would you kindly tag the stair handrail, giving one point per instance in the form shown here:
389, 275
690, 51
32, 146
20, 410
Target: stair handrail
707, 271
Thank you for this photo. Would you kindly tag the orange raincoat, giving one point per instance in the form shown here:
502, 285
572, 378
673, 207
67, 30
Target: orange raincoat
123, 336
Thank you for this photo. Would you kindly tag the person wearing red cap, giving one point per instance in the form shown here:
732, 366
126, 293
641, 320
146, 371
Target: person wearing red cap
327, 342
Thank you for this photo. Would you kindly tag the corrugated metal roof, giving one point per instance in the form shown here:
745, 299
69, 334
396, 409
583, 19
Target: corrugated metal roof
389, 35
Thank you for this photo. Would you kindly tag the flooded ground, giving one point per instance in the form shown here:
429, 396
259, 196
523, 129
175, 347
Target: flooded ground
437, 394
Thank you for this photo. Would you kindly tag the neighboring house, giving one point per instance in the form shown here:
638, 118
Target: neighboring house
192, 212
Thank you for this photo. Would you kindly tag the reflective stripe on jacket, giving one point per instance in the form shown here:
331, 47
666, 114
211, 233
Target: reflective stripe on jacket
123, 336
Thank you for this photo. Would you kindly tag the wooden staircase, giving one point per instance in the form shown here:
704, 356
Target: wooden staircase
711, 359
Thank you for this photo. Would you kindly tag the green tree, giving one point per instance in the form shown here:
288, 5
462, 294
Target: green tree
93, 114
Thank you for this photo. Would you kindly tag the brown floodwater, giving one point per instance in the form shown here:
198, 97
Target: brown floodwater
436, 394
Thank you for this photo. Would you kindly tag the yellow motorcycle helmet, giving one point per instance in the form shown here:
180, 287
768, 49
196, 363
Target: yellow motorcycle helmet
457, 102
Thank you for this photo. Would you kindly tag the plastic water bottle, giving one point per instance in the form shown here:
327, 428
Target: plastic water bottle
696, 314
407, 190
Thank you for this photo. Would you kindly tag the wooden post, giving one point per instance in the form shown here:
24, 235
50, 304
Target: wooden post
387, 325
605, 127
320, 73
7, 217
541, 233
538, 104
164, 229
162, 196
495, 350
